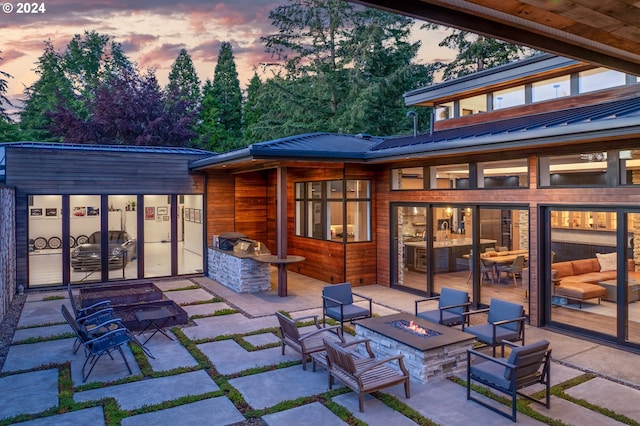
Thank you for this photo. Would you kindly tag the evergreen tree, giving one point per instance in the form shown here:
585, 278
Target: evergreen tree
476, 53
226, 89
345, 70
184, 84
250, 110
46, 94
4, 116
209, 129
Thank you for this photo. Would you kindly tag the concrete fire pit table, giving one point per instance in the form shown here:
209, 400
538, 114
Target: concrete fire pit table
439, 352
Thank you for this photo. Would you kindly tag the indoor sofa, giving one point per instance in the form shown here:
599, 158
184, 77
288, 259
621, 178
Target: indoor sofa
578, 279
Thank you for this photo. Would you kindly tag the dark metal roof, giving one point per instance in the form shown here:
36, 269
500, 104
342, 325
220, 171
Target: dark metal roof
327, 146
112, 148
518, 127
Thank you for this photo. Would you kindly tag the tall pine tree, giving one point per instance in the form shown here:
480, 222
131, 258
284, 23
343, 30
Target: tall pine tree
225, 88
184, 84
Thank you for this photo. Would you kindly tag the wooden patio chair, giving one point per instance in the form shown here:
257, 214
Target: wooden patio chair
505, 321
526, 366
337, 303
371, 377
306, 343
452, 304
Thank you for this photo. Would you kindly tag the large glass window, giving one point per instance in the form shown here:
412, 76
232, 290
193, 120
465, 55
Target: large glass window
45, 240
503, 174
552, 88
157, 235
407, 178
325, 210
444, 111
583, 269
190, 233
123, 234
450, 176
600, 78
583, 169
473, 105
506, 98
86, 256
629, 167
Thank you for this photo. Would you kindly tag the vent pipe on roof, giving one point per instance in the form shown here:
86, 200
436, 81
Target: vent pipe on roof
413, 115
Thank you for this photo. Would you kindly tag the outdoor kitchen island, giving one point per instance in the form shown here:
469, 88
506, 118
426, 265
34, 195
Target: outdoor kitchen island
240, 272
430, 350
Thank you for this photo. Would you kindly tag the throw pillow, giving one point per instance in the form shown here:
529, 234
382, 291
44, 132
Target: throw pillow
608, 261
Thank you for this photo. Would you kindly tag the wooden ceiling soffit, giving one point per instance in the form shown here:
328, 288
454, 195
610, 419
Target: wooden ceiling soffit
551, 26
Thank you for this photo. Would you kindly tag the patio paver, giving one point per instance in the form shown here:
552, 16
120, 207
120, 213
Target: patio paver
184, 297
152, 391
28, 393
228, 357
227, 324
605, 393
307, 415
219, 411
205, 308
266, 389
93, 416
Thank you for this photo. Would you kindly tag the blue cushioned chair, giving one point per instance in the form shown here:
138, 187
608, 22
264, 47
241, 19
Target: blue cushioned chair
337, 303
505, 321
452, 304
526, 366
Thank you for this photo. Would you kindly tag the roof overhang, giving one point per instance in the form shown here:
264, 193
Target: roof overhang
605, 33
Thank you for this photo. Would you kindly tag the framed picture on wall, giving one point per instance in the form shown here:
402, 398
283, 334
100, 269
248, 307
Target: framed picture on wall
165, 218
186, 214
93, 211
162, 211
35, 212
198, 216
79, 211
51, 212
149, 213
192, 215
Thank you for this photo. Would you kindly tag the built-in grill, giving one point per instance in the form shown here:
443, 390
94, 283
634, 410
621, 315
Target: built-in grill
241, 244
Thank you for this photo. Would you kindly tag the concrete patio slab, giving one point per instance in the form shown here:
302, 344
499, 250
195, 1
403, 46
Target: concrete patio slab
559, 373
228, 357
227, 324
266, 389
28, 393
205, 308
219, 411
45, 295
152, 391
307, 415
44, 332
573, 414
173, 284
93, 416
169, 354
29, 356
614, 396
375, 412
262, 339
42, 313
445, 403
185, 297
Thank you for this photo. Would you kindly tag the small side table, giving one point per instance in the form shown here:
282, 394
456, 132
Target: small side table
154, 317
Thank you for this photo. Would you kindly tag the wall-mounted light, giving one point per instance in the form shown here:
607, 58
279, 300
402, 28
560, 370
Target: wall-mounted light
448, 211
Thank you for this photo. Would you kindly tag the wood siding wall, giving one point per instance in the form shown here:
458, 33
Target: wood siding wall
45, 171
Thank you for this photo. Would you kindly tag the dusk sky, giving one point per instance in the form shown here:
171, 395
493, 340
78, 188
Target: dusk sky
152, 32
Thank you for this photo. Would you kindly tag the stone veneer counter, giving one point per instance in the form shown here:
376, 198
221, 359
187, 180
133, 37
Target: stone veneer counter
241, 273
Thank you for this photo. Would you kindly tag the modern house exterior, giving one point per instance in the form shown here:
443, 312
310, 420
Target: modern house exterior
538, 159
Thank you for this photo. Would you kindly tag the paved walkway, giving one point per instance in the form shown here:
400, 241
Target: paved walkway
201, 379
